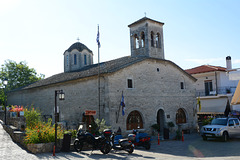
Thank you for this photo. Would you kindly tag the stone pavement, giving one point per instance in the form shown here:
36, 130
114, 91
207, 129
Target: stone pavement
193, 147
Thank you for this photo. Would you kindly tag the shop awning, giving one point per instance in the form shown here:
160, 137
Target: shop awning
236, 96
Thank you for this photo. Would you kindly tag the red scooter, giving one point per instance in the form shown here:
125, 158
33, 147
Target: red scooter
140, 139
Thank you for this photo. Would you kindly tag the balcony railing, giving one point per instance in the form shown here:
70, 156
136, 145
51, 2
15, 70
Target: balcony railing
221, 90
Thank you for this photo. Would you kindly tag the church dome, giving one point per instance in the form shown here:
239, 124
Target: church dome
78, 46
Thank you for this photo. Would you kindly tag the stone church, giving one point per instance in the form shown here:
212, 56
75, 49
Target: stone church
155, 90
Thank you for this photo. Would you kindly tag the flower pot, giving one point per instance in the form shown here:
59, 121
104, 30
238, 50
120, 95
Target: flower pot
13, 114
21, 113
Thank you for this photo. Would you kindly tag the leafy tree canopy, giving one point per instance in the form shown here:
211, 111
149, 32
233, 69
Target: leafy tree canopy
18, 75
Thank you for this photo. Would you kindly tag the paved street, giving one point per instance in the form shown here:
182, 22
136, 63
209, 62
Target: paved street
192, 148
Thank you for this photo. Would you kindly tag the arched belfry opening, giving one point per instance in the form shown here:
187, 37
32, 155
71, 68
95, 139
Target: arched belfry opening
146, 38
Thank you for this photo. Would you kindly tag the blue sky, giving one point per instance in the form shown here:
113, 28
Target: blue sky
196, 32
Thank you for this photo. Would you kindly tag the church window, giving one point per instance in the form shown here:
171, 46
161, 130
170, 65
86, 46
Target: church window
136, 41
158, 69
180, 116
158, 43
182, 85
134, 120
130, 83
75, 59
142, 39
85, 59
67, 59
89, 59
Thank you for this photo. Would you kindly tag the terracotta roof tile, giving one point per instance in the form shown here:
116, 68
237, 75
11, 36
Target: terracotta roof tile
204, 69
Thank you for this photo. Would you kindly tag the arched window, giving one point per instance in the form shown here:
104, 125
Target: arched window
158, 42
136, 41
67, 59
89, 59
152, 39
180, 116
75, 59
85, 59
134, 120
142, 39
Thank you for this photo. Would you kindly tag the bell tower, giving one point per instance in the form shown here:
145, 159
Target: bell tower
146, 38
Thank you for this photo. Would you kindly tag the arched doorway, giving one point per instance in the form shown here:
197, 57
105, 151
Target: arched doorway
134, 120
181, 116
160, 120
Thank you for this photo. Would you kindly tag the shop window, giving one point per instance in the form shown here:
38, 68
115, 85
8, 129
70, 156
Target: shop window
134, 121
180, 116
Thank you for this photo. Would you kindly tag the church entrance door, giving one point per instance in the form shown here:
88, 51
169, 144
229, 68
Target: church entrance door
161, 120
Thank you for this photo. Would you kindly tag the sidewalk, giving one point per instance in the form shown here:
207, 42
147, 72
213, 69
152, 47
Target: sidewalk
10, 150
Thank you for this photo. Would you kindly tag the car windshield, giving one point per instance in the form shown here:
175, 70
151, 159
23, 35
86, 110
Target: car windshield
219, 122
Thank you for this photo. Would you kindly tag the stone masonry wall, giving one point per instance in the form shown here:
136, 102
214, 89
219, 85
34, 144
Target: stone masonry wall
156, 86
153, 90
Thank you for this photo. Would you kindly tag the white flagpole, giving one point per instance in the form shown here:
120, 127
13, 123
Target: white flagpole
98, 42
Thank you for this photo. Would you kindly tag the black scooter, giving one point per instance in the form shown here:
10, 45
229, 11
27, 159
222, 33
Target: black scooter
85, 138
121, 144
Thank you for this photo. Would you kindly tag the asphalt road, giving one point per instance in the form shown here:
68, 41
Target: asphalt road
193, 147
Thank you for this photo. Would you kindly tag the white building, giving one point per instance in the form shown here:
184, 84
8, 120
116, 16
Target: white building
215, 86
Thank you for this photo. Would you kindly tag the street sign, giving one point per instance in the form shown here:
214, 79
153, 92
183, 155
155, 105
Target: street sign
90, 112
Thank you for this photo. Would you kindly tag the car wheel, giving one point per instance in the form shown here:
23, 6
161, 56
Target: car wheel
225, 137
204, 138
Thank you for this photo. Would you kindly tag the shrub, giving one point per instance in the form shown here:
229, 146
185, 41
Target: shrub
156, 127
207, 120
72, 131
98, 126
42, 133
32, 117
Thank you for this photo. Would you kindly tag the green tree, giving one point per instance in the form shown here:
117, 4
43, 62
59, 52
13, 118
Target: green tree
18, 75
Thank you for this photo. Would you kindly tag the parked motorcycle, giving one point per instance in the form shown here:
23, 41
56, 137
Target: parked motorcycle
87, 139
140, 139
120, 144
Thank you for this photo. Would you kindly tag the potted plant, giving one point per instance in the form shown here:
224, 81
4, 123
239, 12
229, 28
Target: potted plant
156, 127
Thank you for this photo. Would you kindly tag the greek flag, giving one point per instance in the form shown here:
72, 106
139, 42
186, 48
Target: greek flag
98, 41
123, 105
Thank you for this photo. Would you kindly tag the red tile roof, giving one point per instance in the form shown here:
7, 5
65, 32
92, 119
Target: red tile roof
204, 69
